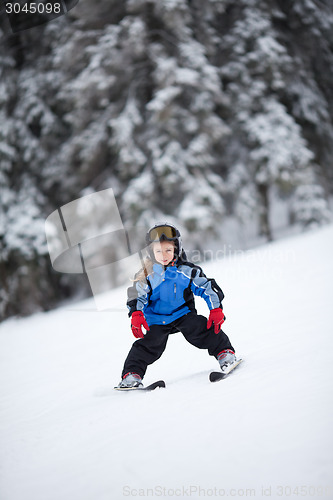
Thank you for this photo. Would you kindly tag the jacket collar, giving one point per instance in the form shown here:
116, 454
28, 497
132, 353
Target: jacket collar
160, 269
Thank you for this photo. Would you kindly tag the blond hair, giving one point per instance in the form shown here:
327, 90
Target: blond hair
145, 270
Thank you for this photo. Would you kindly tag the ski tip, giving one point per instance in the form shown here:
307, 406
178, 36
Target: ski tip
215, 376
155, 385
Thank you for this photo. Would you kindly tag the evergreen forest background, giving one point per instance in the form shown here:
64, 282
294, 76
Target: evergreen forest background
214, 114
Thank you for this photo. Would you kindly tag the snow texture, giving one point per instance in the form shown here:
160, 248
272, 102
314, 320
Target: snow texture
66, 434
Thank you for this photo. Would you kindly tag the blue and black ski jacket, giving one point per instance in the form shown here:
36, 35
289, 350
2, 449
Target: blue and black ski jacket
168, 292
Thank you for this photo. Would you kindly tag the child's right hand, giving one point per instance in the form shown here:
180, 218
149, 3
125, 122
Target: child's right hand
137, 321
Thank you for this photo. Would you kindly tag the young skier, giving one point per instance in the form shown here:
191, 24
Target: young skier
162, 301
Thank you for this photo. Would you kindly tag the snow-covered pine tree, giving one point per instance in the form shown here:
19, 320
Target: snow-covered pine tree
268, 143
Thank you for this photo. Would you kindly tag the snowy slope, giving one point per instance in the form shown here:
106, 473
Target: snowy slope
67, 435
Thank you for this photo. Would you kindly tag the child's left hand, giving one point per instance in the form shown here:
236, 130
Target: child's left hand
216, 316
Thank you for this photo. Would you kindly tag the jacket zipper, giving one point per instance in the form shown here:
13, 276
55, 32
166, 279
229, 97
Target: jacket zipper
175, 289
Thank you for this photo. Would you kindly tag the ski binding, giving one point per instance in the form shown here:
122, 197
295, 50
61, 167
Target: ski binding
150, 387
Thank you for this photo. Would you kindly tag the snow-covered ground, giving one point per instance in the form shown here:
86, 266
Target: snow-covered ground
264, 431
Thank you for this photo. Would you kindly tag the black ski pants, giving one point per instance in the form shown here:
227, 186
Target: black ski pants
193, 326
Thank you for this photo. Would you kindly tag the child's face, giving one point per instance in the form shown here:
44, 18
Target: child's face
164, 252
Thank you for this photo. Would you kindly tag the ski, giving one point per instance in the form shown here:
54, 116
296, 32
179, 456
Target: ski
150, 387
216, 376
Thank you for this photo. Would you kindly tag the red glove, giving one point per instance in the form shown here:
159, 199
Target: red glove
216, 316
138, 320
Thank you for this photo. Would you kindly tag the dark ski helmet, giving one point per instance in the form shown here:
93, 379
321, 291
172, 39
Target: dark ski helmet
164, 232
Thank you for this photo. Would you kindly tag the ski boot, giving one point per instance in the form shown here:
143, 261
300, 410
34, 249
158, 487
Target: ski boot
130, 380
226, 358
